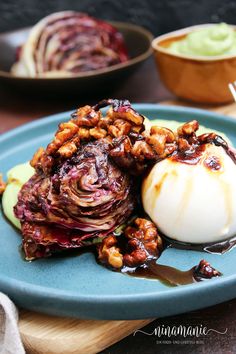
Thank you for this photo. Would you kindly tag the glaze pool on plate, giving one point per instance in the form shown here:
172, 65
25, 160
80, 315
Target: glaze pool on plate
77, 286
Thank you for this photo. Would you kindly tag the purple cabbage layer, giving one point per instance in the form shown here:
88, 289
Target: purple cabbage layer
85, 197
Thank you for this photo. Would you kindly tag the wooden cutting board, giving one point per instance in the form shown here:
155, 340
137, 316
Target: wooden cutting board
43, 334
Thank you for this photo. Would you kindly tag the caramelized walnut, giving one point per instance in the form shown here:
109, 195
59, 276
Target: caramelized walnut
86, 116
121, 153
121, 147
119, 128
136, 150
109, 252
2, 185
38, 155
123, 109
131, 147
205, 270
139, 244
105, 122
69, 148
137, 255
98, 133
144, 242
142, 151
89, 124
66, 131
184, 145
167, 133
83, 133
188, 128
161, 139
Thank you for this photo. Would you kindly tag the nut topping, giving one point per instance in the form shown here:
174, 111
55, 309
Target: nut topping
140, 243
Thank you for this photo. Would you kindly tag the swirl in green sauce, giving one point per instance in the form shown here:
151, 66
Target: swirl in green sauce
214, 40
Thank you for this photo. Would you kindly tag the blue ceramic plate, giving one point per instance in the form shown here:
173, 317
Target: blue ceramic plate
77, 286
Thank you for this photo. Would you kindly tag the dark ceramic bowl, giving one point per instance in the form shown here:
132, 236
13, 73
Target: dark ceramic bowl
137, 39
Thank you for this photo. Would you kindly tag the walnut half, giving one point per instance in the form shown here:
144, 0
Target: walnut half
2, 185
143, 242
109, 252
139, 244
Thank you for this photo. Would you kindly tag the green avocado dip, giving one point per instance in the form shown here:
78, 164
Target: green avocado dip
16, 177
219, 39
20, 174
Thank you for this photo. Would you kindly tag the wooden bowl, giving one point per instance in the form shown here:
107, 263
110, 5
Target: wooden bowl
200, 79
138, 41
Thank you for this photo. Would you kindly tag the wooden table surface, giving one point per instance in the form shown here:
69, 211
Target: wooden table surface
143, 86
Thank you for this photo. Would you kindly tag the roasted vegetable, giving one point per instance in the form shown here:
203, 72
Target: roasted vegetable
67, 43
85, 197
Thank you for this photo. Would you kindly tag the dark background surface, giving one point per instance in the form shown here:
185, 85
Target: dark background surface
159, 16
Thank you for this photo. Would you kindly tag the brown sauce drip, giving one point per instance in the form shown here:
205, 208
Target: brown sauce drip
172, 276
221, 247
218, 141
193, 155
232, 153
189, 157
168, 275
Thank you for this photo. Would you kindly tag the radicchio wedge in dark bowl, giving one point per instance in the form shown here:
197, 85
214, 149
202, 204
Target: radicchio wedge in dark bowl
67, 43
71, 51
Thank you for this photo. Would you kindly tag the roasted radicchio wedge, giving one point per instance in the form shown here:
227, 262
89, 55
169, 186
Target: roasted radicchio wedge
67, 43
86, 196
78, 193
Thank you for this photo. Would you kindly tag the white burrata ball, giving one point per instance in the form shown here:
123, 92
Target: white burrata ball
194, 203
